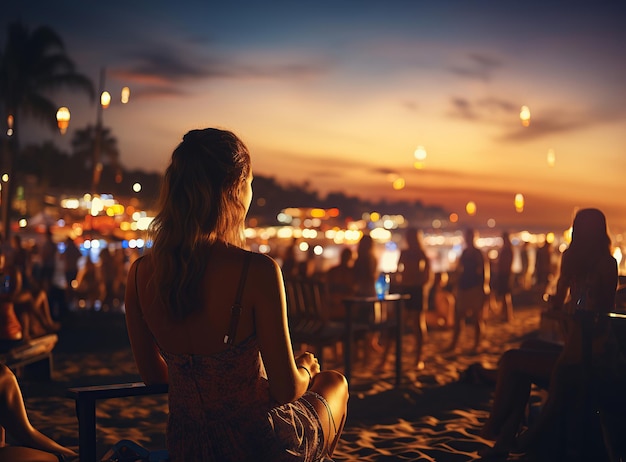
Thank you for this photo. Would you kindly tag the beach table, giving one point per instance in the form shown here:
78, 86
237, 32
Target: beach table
378, 317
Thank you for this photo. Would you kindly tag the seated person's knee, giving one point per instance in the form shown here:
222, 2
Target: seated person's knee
331, 379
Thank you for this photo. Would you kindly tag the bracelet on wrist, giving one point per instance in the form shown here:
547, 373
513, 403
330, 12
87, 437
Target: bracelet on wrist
307, 371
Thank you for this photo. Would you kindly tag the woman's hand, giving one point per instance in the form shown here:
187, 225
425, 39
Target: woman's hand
308, 362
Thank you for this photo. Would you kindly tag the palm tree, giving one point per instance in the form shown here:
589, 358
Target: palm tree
33, 65
84, 146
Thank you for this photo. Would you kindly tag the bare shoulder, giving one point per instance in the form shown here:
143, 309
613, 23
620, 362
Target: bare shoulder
263, 267
143, 265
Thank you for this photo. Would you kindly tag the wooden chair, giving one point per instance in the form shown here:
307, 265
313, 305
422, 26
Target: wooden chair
306, 299
86, 398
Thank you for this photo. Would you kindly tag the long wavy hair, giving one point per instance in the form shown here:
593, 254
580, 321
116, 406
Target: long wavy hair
200, 202
590, 240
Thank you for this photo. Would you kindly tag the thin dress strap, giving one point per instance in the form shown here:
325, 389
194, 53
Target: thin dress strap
235, 310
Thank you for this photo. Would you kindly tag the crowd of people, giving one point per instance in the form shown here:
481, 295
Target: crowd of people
59, 276
479, 286
209, 317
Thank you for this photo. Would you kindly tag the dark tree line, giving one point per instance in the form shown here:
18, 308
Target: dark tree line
70, 173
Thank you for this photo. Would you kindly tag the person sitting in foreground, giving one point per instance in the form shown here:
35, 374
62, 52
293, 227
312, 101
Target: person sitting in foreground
587, 281
210, 319
34, 445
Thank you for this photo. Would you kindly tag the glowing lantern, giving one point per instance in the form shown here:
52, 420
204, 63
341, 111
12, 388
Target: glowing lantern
10, 125
420, 157
470, 208
63, 119
420, 154
125, 95
398, 184
105, 99
524, 116
519, 203
551, 157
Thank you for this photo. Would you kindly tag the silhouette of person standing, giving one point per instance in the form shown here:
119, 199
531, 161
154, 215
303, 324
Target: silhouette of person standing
414, 274
472, 289
524, 273
502, 278
365, 270
543, 266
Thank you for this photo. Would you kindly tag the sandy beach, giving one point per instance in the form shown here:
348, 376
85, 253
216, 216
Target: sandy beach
435, 415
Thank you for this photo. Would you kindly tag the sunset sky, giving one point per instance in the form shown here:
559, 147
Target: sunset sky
342, 93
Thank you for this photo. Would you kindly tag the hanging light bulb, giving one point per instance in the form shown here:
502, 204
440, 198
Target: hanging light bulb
519, 203
63, 119
470, 208
398, 184
10, 125
420, 156
105, 99
524, 116
125, 95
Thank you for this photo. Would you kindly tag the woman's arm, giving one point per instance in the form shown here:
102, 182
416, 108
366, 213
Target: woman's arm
287, 382
563, 283
151, 365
